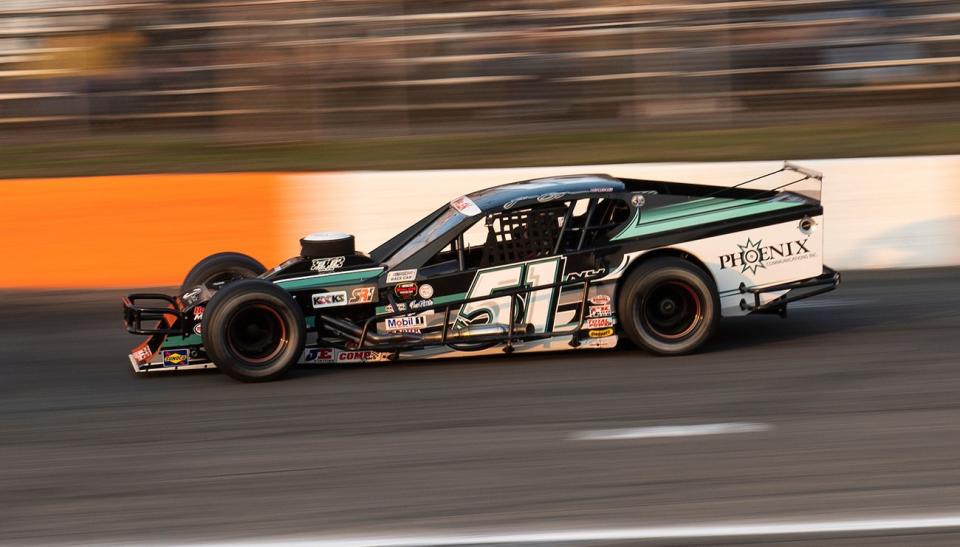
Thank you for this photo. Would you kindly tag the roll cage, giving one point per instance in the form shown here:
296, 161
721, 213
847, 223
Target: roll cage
526, 232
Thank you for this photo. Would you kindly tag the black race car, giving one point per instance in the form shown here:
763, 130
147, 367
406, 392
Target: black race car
569, 262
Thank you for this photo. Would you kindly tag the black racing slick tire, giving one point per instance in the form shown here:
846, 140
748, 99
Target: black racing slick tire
253, 330
668, 306
219, 269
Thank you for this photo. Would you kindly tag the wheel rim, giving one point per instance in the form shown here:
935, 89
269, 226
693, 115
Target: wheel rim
671, 310
256, 333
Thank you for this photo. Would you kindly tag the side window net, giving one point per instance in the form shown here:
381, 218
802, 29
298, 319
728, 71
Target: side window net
521, 235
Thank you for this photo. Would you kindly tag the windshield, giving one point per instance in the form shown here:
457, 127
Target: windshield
442, 225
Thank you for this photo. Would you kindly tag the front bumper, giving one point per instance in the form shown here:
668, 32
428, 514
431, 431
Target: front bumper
169, 319
796, 290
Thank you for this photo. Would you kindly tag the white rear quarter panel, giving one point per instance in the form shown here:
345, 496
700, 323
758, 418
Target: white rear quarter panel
759, 257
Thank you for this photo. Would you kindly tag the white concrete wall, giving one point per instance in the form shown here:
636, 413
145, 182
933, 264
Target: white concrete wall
880, 212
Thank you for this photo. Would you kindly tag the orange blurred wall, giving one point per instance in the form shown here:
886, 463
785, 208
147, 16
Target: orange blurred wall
133, 231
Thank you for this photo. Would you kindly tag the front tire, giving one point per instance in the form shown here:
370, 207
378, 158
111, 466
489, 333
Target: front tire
669, 306
219, 269
253, 330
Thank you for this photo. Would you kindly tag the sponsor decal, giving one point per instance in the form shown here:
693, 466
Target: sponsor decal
333, 355
638, 200
401, 276
319, 355
586, 274
405, 291
365, 356
752, 256
406, 324
542, 198
198, 313
142, 355
602, 333
426, 291
198, 328
329, 299
175, 357
599, 323
321, 265
466, 206
362, 295
601, 189
192, 296
601, 310
401, 306
417, 304
600, 299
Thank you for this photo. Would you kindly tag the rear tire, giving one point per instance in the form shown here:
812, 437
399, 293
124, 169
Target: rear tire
253, 330
668, 306
219, 269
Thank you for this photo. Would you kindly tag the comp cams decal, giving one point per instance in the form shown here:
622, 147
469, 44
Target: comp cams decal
334, 355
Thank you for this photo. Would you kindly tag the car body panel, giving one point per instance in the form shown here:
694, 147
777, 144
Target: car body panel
427, 283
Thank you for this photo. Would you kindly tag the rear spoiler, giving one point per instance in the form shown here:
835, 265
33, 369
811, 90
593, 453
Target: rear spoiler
810, 173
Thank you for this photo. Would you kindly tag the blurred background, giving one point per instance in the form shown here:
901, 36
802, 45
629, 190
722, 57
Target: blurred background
243, 125
95, 86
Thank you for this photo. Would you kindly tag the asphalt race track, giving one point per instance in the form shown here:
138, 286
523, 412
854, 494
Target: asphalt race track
854, 402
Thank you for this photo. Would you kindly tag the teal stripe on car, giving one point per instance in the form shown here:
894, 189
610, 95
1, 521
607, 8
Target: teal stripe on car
174, 341
655, 221
691, 208
326, 280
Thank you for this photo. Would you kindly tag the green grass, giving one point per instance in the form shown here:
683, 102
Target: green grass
159, 154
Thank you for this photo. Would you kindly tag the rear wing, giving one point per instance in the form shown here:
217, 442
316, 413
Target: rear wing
805, 172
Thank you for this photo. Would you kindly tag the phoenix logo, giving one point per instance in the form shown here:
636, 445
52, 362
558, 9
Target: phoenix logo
751, 256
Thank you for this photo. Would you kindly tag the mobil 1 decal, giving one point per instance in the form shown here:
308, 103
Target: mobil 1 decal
538, 308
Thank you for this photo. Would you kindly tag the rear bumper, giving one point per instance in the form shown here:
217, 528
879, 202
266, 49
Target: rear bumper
796, 290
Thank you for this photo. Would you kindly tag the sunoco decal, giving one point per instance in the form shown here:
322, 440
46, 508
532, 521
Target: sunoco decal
175, 357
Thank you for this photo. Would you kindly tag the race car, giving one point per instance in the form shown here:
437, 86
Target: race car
558, 263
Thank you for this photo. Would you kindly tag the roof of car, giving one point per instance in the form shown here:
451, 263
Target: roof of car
544, 189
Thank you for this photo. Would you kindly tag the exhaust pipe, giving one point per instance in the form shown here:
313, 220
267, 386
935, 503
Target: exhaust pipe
476, 331
354, 332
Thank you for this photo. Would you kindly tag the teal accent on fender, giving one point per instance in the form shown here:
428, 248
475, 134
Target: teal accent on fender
695, 213
181, 341
445, 299
325, 280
